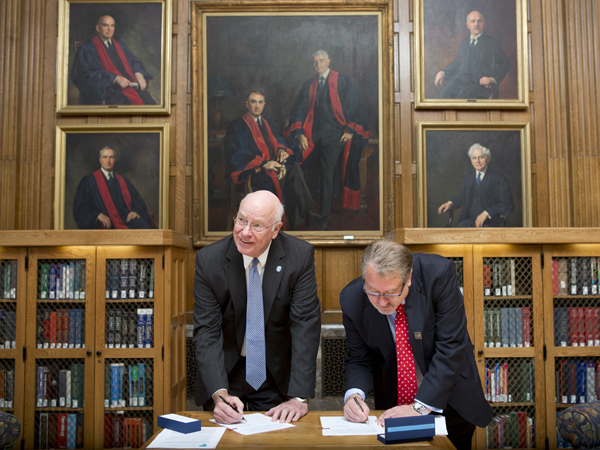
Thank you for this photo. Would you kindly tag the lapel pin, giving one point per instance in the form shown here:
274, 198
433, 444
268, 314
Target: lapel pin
418, 335
278, 269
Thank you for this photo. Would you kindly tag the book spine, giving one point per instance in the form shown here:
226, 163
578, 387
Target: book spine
72, 327
554, 276
114, 385
573, 327
122, 402
52, 279
149, 328
44, 284
596, 325
59, 328
107, 386
11, 325
142, 384
69, 389
486, 327
2, 389
71, 279
487, 280
573, 276
151, 282
572, 382
505, 320
118, 317
143, 269
581, 326
108, 431
526, 313
62, 388
140, 327
519, 326
130, 386
71, 430
62, 281
79, 342
124, 279
82, 279
53, 329
7, 277
43, 431
79, 430
110, 337
589, 326
594, 275
62, 431
13, 279
76, 279
133, 278
125, 330
132, 329
581, 381
134, 386
590, 388
10, 388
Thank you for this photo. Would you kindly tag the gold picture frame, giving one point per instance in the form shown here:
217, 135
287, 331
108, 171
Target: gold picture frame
444, 172
89, 74
227, 65
442, 42
142, 161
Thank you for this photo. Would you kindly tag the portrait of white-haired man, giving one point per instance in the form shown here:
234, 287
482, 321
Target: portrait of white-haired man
485, 196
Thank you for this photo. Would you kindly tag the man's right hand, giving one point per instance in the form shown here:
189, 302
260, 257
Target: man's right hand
439, 78
272, 165
225, 413
445, 207
106, 223
352, 411
303, 142
122, 81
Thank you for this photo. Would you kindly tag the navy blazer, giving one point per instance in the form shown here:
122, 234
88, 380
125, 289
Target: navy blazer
292, 315
437, 329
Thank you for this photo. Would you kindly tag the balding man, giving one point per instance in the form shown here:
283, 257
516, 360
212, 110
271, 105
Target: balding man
479, 67
257, 319
107, 73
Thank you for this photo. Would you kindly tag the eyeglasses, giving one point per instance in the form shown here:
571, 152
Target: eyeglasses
386, 296
255, 227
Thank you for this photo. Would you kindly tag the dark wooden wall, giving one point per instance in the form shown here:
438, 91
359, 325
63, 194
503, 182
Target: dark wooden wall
564, 112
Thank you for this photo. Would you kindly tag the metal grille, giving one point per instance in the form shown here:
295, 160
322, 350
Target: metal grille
59, 386
60, 325
129, 325
7, 384
8, 321
334, 352
511, 429
127, 429
510, 380
61, 279
507, 277
128, 383
577, 380
459, 271
576, 302
190, 357
129, 279
8, 279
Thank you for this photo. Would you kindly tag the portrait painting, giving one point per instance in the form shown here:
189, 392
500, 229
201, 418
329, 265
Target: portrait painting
474, 174
111, 177
471, 54
297, 103
114, 58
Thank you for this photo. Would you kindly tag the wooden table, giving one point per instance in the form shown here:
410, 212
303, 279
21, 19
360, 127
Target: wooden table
307, 434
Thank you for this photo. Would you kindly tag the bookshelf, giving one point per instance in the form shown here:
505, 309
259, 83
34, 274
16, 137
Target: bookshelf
12, 338
68, 354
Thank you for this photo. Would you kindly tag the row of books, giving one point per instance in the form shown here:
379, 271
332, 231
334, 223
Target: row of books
124, 385
130, 329
512, 430
8, 279
577, 381
521, 388
63, 280
8, 324
63, 391
126, 278
507, 327
499, 278
61, 328
577, 327
575, 276
125, 432
60, 430
7, 388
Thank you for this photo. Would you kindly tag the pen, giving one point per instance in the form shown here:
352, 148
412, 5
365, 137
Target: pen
233, 407
356, 400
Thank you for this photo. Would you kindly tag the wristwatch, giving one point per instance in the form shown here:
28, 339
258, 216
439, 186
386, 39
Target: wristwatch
300, 399
419, 408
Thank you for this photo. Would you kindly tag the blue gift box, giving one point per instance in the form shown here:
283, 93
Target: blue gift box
408, 429
182, 424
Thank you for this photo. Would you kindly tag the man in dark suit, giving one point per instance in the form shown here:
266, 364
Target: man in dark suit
328, 118
485, 193
411, 299
257, 319
479, 67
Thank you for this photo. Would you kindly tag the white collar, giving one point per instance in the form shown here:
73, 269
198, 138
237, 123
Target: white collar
106, 173
325, 75
262, 259
105, 41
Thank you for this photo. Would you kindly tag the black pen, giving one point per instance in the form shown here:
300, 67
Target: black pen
363, 411
233, 407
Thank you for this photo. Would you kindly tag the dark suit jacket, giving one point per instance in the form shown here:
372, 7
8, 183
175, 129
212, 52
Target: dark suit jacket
489, 60
435, 309
496, 197
292, 315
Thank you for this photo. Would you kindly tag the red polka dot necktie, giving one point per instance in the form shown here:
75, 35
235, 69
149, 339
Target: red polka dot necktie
407, 377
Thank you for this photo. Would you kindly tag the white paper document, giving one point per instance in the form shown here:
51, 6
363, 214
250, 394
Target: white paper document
205, 438
339, 426
440, 426
255, 423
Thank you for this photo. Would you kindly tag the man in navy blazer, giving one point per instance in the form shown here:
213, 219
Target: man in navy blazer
445, 369
292, 316
485, 194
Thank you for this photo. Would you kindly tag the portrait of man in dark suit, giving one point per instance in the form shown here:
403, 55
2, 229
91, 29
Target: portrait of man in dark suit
407, 335
257, 317
485, 196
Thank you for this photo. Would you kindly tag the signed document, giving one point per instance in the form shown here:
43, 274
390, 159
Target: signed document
255, 423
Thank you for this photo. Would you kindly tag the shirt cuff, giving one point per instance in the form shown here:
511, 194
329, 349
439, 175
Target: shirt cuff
222, 389
488, 214
429, 407
353, 391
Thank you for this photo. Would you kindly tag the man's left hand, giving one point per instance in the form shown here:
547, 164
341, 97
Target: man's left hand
282, 155
480, 219
132, 215
140, 78
487, 82
398, 411
346, 136
287, 412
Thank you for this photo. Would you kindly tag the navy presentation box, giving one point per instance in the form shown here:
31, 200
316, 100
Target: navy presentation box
179, 423
408, 429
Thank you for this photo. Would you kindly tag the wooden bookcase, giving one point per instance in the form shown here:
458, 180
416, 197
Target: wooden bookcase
163, 359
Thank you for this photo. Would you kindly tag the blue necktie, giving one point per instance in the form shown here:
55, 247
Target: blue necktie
478, 179
321, 82
256, 372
